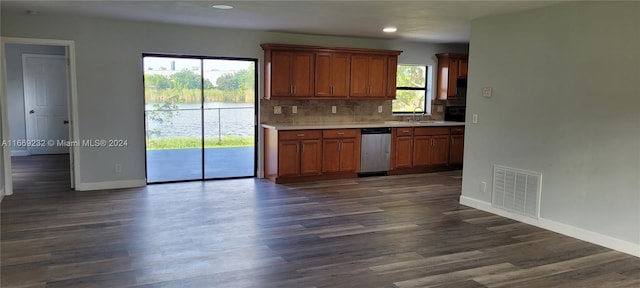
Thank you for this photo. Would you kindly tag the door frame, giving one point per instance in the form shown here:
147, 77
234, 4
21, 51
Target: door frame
28, 124
72, 103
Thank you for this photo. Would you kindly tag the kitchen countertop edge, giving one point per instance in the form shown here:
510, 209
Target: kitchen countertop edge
391, 124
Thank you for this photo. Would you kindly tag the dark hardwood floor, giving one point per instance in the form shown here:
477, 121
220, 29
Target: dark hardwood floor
395, 231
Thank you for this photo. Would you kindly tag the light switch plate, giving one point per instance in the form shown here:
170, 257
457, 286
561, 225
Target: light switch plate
294, 109
475, 118
277, 109
487, 91
333, 109
380, 109
439, 109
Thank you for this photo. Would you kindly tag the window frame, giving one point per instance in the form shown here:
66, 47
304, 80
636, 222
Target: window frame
426, 109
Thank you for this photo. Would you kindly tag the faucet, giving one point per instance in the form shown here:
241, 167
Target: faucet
414, 118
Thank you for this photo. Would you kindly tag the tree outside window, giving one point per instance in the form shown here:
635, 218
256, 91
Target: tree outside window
411, 89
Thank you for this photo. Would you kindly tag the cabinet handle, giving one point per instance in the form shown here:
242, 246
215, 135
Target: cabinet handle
405, 131
340, 133
331, 88
297, 148
291, 89
432, 142
294, 90
300, 135
339, 146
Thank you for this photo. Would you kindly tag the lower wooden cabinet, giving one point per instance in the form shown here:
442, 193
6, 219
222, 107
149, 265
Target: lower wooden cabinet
292, 153
341, 150
456, 147
420, 147
306, 155
402, 148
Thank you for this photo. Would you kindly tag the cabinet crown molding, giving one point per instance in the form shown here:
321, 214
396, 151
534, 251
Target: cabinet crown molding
308, 48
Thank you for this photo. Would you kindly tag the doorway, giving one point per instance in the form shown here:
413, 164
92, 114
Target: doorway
38, 109
200, 117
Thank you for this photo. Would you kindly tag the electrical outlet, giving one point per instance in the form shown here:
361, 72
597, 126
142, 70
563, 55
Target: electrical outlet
294, 109
277, 110
333, 109
475, 118
439, 109
487, 91
483, 187
118, 168
380, 109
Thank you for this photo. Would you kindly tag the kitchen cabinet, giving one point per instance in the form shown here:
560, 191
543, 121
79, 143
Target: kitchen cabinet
314, 72
369, 76
420, 147
402, 150
292, 153
292, 74
332, 74
451, 67
456, 150
340, 150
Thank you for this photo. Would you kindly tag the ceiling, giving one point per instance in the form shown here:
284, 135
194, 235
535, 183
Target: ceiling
424, 21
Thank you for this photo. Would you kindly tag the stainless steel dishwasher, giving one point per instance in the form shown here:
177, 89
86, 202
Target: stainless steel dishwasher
375, 151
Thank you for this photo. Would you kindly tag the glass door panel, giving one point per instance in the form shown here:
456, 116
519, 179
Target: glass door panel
173, 118
229, 118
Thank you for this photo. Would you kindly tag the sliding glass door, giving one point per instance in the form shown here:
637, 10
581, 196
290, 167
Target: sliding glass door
199, 118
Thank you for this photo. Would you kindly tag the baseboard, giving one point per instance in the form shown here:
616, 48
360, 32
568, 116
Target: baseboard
568, 230
19, 153
111, 185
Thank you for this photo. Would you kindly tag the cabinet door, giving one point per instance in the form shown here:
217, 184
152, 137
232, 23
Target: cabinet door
323, 74
288, 158
439, 154
377, 76
391, 77
456, 153
281, 65
310, 157
302, 70
463, 68
340, 69
330, 155
403, 151
332, 75
359, 76
452, 85
421, 150
349, 151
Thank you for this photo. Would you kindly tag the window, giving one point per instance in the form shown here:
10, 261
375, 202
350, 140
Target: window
412, 92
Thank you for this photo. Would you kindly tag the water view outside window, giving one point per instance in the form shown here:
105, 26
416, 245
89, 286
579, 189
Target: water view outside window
199, 118
412, 89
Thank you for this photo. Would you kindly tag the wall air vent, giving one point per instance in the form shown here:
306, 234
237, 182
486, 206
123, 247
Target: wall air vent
516, 190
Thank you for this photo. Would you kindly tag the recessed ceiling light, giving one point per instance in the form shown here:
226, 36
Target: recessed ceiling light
389, 29
222, 6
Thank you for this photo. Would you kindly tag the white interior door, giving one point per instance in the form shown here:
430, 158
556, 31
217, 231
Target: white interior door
46, 109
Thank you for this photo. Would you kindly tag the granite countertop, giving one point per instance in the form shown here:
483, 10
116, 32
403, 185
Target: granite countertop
283, 126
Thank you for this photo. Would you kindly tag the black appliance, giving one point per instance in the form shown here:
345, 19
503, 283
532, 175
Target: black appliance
454, 113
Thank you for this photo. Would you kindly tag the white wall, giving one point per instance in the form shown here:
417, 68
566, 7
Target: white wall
109, 73
15, 87
565, 103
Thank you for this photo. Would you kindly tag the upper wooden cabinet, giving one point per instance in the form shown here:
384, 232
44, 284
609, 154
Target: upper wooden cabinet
369, 76
292, 74
451, 67
313, 72
332, 74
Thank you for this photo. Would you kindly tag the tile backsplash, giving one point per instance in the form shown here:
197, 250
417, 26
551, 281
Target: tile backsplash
320, 111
